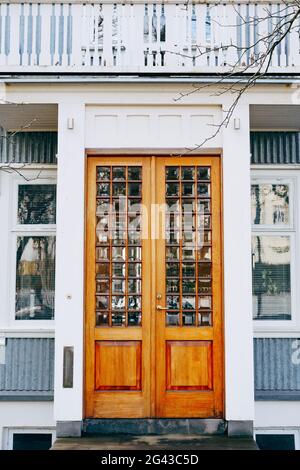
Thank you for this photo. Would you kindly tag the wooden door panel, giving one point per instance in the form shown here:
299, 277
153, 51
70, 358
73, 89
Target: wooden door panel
189, 349
189, 365
153, 296
191, 404
118, 365
118, 291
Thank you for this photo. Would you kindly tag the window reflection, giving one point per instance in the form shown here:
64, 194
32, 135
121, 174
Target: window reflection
270, 204
37, 204
271, 277
35, 278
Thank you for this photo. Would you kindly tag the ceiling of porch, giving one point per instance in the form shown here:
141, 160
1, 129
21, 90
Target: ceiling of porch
275, 117
39, 117
28, 117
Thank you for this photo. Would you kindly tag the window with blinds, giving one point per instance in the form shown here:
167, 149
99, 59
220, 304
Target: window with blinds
272, 242
271, 279
35, 243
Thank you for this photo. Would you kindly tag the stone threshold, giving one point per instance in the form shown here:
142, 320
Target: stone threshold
167, 442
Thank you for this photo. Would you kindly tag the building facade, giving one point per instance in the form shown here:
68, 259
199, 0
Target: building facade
149, 253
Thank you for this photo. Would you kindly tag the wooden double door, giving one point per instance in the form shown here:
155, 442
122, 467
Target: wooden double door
153, 288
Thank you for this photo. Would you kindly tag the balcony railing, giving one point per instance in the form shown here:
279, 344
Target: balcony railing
140, 37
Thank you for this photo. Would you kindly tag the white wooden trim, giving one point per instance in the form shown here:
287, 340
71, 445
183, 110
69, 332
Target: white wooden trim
25, 230
9, 232
8, 434
70, 272
11, 332
268, 328
279, 333
88, 2
239, 376
93, 51
279, 430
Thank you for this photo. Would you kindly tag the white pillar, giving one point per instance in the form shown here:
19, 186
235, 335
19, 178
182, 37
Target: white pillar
69, 304
239, 382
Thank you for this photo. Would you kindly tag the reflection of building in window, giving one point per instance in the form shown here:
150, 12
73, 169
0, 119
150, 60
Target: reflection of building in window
270, 204
37, 204
35, 277
271, 277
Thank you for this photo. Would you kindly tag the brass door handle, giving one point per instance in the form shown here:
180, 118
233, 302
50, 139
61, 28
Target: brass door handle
159, 307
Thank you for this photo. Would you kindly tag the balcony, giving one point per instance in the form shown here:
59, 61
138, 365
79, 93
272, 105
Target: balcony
138, 38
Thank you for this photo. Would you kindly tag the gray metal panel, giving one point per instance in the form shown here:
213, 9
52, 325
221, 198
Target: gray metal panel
277, 368
29, 368
275, 148
28, 147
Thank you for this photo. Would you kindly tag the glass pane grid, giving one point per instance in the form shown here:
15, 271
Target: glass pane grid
118, 246
188, 246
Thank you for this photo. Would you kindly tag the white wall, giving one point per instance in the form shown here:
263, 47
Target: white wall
110, 125
15, 414
274, 414
69, 290
151, 126
239, 388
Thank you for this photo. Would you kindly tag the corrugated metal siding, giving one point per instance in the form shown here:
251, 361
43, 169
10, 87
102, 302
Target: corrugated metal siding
28, 147
29, 368
277, 374
275, 147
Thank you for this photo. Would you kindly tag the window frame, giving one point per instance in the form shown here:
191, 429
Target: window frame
48, 177
8, 434
292, 178
279, 431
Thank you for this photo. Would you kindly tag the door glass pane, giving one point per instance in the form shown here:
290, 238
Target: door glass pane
271, 277
102, 253
134, 286
35, 278
103, 173
103, 189
118, 286
188, 252
119, 189
102, 286
172, 173
134, 318
189, 318
102, 318
118, 300
134, 173
102, 302
188, 173
270, 204
119, 173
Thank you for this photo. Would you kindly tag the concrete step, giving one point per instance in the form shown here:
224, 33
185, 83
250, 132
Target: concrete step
156, 426
167, 442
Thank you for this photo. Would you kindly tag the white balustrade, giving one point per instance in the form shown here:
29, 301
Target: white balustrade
142, 37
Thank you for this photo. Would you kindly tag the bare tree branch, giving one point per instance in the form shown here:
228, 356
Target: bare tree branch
253, 61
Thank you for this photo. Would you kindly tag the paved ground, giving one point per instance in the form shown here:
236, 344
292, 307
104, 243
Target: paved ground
167, 442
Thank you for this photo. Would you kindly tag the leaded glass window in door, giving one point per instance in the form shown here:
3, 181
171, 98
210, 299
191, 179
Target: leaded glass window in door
118, 246
188, 241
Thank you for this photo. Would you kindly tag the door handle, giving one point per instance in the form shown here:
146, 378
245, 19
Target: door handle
159, 307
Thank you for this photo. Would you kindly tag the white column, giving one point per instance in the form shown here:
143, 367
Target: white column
68, 402
239, 385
